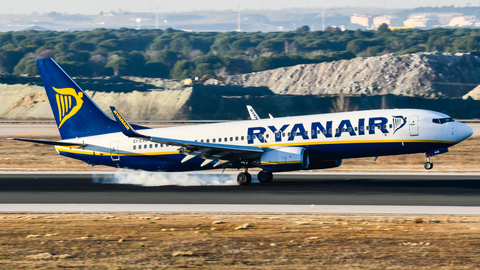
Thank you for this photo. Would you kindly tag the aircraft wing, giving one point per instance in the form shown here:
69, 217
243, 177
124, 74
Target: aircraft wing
66, 144
209, 151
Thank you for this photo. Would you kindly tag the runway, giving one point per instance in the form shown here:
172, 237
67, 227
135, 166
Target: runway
427, 193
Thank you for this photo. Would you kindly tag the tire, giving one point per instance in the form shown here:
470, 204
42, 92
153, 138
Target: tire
265, 177
244, 179
428, 165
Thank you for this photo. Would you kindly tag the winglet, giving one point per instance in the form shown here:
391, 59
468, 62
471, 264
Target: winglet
253, 113
125, 127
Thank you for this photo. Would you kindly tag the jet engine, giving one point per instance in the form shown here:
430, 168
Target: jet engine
285, 159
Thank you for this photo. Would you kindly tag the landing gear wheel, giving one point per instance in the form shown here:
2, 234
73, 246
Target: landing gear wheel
244, 178
428, 165
265, 177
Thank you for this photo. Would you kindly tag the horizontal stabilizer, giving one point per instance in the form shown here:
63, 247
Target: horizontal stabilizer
66, 144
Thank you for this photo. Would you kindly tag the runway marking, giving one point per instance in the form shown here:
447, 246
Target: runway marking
240, 208
34, 132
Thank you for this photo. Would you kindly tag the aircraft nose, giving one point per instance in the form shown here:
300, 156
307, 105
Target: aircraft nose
463, 132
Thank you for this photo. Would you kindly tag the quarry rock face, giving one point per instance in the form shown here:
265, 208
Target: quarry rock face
421, 74
437, 81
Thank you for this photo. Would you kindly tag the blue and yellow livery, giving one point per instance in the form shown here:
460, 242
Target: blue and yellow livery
274, 144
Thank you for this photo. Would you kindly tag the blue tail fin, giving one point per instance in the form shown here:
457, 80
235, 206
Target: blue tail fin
75, 113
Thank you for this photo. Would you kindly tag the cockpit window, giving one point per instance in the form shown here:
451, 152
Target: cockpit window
442, 120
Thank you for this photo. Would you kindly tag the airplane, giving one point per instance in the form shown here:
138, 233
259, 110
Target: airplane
280, 144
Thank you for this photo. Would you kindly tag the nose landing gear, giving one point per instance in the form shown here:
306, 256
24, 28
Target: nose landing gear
428, 164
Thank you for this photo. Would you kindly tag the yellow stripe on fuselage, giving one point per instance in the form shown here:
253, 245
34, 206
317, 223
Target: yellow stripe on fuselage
353, 142
281, 162
98, 153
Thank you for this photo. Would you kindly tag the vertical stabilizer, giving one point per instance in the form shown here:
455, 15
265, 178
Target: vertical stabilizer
75, 112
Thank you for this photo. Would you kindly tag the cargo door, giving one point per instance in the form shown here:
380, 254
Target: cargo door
413, 125
114, 151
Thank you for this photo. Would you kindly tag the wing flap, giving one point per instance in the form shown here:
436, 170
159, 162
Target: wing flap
66, 144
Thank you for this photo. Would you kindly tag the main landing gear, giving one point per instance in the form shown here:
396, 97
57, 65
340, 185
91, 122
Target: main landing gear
244, 178
428, 164
265, 177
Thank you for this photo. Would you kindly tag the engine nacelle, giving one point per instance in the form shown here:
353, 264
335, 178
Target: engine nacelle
285, 159
325, 164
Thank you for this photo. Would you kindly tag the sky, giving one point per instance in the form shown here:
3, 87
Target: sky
96, 6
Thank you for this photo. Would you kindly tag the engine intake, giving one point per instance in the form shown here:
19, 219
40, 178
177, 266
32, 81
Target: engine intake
285, 159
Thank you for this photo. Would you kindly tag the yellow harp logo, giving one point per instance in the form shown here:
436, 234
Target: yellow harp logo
66, 108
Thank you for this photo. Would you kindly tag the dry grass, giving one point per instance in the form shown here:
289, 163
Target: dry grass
158, 241
23, 156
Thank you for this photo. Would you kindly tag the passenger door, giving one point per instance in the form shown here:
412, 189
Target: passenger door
413, 123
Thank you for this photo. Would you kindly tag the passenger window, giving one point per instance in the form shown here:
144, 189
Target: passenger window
349, 129
208, 140
367, 128
361, 128
306, 132
390, 126
139, 147
219, 139
201, 140
324, 131
156, 145
384, 126
277, 135
241, 138
267, 136
330, 131
161, 145
283, 134
213, 140
336, 130
145, 146
288, 134
134, 147
259, 136
231, 139
226, 139
236, 138
254, 136
356, 128
248, 137
151, 145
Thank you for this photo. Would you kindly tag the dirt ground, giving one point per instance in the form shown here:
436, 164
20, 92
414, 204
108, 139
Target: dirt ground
236, 241
24, 156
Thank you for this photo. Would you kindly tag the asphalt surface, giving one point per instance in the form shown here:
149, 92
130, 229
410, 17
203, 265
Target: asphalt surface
287, 189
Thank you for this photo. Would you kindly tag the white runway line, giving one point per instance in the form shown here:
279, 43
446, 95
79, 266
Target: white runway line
238, 208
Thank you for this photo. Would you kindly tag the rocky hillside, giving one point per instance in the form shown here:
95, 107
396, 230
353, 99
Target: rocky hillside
441, 82
421, 74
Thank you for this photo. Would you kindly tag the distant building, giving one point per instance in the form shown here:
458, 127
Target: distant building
463, 21
362, 20
390, 20
422, 20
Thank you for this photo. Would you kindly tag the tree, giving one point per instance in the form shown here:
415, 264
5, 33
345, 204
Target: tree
120, 66
153, 69
26, 66
9, 59
383, 28
181, 70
